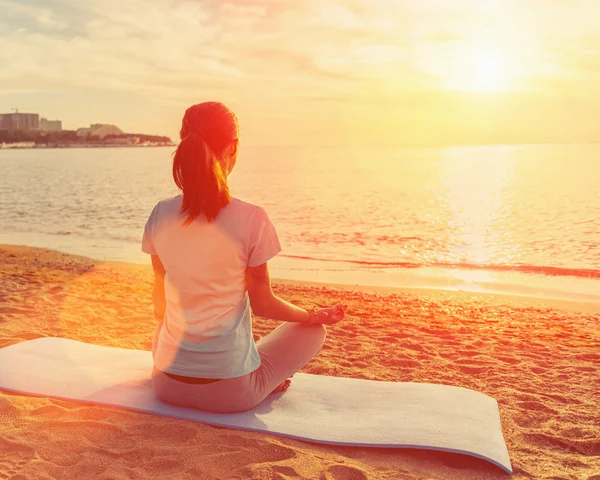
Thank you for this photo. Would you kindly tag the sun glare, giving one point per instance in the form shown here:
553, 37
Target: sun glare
479, 69
470, 66
475, 180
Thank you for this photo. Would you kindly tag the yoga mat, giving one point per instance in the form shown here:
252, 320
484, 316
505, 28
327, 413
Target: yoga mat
321, 409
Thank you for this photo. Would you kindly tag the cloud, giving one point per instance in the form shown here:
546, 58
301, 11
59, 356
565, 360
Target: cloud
145, 46
291, 58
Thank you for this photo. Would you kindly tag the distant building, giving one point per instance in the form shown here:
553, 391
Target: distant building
99, 130
50, 125
19, 121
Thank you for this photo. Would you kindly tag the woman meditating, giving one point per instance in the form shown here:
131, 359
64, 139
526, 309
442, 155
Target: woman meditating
209, 254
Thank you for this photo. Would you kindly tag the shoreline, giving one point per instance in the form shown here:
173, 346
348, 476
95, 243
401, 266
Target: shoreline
539, 361
434, 291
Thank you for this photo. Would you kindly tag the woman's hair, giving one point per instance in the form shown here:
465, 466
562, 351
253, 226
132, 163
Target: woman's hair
207, 130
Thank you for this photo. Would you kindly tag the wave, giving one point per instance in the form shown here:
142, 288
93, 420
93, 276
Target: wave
529, 269
340, 238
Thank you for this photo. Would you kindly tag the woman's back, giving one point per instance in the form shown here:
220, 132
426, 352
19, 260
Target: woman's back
205, 288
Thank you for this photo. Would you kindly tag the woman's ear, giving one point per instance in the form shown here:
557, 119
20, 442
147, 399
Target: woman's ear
233, 147
231, 155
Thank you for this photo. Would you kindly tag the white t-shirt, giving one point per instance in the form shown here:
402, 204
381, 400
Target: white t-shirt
207, 330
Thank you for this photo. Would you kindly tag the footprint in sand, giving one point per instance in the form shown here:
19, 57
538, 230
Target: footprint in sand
472, 369
545, 397
164, 465
564, 400
165, 433
13, 458
415, 346
353, 347
397, 336
470, 353
275, 472
342, 472
469, 362
537, 407
246, 457
529, 420
538, 370
509, 360
533, 414
400, 362
9, 417
359, 364
262, 450
588, 447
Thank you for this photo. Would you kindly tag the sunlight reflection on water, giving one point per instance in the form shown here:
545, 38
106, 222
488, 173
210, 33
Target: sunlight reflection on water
371, 211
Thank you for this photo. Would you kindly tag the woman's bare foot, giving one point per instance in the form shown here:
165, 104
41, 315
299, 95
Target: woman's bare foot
283, 387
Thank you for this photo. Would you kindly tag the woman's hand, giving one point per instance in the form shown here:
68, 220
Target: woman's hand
331, 315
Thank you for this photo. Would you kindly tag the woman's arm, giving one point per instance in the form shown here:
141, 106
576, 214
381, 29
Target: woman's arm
265, 303
158, 292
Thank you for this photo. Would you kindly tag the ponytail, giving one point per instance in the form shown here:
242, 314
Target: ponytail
198, 168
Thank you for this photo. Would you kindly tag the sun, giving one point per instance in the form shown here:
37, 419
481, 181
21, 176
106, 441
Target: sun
479, 69
471, 66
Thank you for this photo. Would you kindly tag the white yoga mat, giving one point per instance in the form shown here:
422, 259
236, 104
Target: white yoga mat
331, 410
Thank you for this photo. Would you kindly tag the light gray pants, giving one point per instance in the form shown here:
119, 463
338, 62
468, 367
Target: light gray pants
283, 352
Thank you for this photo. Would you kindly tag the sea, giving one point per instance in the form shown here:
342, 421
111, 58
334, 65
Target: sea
520, 219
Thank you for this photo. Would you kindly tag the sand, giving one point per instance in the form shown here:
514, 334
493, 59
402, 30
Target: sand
539, 359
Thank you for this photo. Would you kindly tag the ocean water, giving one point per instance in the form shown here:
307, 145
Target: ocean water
519, 219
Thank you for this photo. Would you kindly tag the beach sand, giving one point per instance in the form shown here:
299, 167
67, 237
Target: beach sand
539, 359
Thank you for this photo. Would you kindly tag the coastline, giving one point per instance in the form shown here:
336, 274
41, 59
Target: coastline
537, 357
53, 147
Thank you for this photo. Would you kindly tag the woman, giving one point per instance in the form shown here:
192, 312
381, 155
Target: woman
209, 254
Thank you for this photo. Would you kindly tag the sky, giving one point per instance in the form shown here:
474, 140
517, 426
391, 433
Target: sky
312, 72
